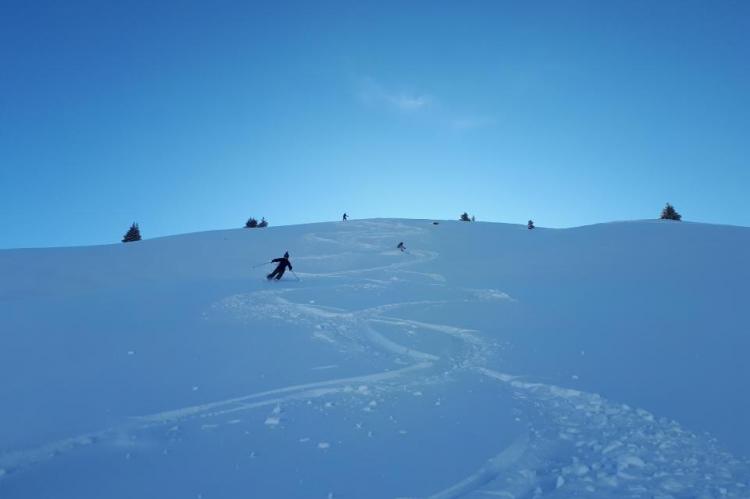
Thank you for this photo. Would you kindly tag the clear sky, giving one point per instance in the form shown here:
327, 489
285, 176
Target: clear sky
188, 116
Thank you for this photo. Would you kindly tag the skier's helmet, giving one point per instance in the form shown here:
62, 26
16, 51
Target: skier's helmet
286, 254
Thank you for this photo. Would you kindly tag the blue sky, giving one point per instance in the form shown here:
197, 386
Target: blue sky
188, 116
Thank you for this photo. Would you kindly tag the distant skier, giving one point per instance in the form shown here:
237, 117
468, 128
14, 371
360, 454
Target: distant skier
283, 263
345, 217
530, 225
401, 246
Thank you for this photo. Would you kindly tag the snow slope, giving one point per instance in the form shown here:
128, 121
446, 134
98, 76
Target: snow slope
487, 361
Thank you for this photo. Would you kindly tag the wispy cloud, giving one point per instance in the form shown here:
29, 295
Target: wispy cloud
376, 95
409, 102
373, 93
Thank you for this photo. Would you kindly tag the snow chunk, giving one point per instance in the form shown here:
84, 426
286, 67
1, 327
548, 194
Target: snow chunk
614, 445
629, 460
274, 418
576, 469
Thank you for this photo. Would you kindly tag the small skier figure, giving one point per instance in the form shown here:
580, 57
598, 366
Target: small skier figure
530, 224
401, 246
345, 217
283, 263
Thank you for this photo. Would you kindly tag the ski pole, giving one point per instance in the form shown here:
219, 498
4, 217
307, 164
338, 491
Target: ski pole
295, 275
259, 265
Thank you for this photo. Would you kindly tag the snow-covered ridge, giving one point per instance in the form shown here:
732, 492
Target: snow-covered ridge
486, 360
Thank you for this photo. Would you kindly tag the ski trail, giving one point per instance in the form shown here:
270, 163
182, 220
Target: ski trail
425, 257
467, 335
384, 343
368, 237
488, 472
193, 411
359, 327
581, 445
613, 449
15, 461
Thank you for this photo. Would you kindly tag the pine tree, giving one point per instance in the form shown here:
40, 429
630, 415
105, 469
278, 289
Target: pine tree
133, 234
465, 217
263, 223
669, 213
530, 224
251, 223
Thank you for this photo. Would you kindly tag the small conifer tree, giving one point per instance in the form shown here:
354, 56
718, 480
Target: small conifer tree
263, 223
669, 213
251, 223
531, 224
465, 217
133, 234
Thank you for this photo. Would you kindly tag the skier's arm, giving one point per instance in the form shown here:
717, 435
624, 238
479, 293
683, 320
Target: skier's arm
276, 260
290, 264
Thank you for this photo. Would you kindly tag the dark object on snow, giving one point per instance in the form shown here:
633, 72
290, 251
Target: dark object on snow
283, 263
345, 217
401, 246
435, 223
466, 218
262, 223
669, 213
133, 234
531, 224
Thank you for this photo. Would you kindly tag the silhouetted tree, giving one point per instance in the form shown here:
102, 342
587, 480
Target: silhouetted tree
531, 224
465, 217
251, 223
263, 223
669, 213
133, 234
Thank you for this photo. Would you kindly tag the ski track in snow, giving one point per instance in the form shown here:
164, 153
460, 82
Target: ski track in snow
578, 444
597, 448
488, 472
16, 461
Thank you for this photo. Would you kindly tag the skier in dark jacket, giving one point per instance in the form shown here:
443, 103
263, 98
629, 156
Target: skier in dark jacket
283, 263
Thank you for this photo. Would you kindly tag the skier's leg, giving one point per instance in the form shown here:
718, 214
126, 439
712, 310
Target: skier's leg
281, 273
272, 274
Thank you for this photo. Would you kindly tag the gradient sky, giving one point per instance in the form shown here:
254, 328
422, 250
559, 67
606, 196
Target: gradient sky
188, 116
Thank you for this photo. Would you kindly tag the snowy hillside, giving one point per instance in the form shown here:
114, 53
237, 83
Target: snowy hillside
486, 361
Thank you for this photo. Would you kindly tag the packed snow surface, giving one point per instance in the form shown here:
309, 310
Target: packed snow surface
487, 360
